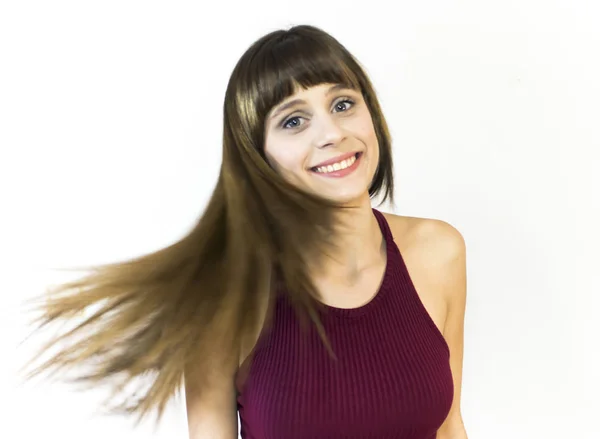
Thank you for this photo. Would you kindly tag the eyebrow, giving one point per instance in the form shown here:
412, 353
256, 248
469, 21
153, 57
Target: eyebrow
291, 103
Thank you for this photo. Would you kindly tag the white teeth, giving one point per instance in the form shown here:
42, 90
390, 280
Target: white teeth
337, 166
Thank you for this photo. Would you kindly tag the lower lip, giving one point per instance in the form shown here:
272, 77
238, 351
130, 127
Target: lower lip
341, 172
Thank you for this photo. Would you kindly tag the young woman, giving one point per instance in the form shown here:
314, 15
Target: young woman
292, 302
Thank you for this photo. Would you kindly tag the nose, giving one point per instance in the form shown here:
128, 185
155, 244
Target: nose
328, 131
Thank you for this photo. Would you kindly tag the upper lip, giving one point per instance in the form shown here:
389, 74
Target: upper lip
337, 159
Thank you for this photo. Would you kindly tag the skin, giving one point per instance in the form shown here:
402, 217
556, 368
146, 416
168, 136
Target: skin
322, 127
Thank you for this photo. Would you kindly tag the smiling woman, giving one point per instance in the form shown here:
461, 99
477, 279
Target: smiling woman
334, 138
291, 301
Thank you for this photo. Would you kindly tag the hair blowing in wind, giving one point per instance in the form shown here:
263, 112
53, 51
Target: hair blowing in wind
195, 308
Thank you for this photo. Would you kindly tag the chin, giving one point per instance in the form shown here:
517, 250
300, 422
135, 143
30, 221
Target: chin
346, 197
351, 190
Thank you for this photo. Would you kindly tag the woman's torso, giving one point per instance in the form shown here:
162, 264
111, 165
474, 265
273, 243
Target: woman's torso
392, 378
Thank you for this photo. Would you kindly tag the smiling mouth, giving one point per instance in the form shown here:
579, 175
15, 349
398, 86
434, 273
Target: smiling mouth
341, 165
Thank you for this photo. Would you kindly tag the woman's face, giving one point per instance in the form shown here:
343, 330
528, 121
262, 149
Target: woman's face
323, 141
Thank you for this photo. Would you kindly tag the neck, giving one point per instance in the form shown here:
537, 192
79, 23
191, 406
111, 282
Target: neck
359, 244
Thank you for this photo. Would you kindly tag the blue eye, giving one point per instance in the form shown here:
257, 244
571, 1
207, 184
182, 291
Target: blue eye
286, 122
345, 101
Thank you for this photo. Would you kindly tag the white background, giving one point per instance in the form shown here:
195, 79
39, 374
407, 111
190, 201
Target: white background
110, 131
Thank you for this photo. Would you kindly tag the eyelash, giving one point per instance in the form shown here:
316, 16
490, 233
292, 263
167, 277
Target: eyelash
286, 121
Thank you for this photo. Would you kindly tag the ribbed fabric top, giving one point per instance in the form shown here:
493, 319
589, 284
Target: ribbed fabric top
392, 379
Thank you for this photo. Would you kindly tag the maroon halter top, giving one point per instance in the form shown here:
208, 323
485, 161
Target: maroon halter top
392, 379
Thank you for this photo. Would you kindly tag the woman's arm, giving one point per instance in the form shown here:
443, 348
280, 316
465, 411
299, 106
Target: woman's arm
212, 415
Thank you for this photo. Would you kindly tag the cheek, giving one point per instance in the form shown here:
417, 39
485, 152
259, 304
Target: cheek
285, 159
363, 128
369, 136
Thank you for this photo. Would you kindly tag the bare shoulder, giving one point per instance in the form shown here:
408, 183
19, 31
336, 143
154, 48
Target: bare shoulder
432, 237
434, 253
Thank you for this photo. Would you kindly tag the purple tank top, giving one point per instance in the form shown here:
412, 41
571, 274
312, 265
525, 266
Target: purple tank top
392, 379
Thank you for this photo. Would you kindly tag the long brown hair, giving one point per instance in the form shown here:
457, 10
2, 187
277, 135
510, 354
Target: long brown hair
195, 308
